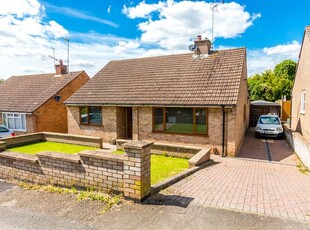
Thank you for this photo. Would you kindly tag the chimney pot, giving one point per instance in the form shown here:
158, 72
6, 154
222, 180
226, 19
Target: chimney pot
203, 45
61, 68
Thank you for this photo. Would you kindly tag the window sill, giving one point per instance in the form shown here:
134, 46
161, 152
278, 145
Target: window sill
183, 134
91, 125
303, 113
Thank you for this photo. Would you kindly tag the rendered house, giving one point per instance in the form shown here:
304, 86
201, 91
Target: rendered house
300, 120
196, 98
34, 103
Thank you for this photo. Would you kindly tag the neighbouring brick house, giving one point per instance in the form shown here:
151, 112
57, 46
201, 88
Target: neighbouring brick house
179, 99
301, 91
34, 103
299, 135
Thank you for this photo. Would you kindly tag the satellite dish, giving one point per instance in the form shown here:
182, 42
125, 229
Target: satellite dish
192, 47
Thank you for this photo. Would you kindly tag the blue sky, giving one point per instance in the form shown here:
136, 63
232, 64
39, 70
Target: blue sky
103, 30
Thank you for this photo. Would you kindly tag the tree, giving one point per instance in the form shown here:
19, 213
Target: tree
273, 85
1, 81
286, 68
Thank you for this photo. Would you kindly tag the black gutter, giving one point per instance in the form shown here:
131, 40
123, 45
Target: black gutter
223, 132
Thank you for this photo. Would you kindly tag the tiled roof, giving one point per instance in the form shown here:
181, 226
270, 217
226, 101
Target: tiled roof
27, 93
167, 80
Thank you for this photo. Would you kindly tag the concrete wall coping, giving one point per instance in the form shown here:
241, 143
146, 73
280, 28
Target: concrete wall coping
70, 135
102, 155
201, 157
137, 144
60, 156
159, 144
19, 156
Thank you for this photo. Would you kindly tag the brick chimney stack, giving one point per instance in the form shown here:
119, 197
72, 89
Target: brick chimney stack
61, 68
203, 45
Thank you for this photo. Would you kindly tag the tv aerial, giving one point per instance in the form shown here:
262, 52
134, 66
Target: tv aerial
213, 7
192, 47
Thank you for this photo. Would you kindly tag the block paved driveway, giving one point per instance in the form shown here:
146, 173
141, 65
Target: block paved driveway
255, 181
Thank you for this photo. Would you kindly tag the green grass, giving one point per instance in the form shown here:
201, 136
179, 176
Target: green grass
50, 147
163, 167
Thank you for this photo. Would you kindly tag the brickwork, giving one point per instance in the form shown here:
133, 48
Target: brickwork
301, 122
242, 117
137, 170
52, 115
107, 131
98, 169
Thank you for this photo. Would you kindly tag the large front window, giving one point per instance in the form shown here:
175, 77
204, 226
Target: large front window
180, 120
90, 115
14, 121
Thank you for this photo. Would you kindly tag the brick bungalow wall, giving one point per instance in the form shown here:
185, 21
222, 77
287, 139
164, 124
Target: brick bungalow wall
301, 122
113, 127
242, 120
52, 115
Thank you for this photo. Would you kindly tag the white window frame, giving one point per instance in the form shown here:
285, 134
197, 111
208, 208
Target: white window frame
303, 102
16, 118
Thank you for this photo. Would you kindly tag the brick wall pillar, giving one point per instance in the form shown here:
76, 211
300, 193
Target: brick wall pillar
137, 170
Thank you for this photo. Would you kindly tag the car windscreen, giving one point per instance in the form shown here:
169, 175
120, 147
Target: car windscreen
3, 129
269, 121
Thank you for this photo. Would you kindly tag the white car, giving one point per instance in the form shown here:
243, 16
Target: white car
269, 126
4, 132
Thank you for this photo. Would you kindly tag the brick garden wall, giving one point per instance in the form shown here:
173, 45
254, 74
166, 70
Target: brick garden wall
129, 173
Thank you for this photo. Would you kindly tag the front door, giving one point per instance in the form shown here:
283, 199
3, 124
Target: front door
129, 123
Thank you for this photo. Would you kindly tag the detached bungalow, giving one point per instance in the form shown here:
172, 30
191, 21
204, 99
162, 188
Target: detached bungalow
196, 98
34, 103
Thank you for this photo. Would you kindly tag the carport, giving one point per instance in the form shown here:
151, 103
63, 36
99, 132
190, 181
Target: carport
263, 107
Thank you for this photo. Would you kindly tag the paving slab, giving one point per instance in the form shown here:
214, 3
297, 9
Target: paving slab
250, 182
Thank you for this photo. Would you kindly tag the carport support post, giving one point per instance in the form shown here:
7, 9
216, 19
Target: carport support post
137, 170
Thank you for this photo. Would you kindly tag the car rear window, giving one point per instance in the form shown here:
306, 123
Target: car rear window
269, 121
3, 129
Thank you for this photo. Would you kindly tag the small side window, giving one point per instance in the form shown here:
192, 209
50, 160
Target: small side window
303, 102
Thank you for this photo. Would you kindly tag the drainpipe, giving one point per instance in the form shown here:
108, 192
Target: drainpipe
223, 132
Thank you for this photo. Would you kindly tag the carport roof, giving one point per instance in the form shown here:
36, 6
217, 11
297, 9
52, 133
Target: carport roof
264, 103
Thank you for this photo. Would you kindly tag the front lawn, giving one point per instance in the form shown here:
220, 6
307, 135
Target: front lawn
50, 147
163, 167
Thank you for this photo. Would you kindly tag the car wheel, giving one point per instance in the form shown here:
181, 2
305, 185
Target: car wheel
257, 135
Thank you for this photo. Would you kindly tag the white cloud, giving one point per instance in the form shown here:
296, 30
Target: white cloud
142, 10
20, 8
79, 14
268, 57
27, 37
179, 21
109, 9
289, 49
